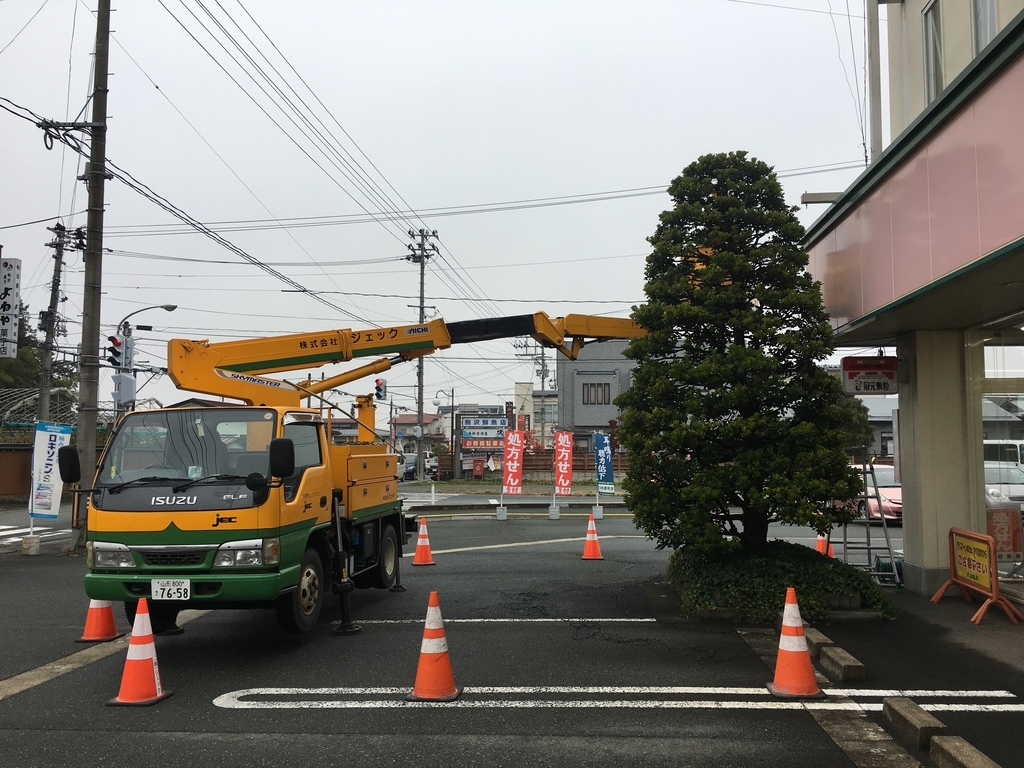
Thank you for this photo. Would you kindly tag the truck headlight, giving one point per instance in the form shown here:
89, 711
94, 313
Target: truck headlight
271, 551
246, 554
106, 554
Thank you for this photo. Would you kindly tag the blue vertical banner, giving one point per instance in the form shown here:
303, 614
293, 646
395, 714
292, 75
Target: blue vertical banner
603, 460
46, 482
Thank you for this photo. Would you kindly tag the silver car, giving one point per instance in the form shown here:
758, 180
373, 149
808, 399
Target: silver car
1003, 482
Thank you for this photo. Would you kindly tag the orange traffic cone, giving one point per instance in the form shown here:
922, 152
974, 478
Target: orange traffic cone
140, 683
824, 546
422, 555
434, 678
591, 547
99, 623
794, 673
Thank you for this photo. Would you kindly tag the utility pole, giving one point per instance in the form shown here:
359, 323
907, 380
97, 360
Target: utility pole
95, 176
419, 253
543, 372
48, 323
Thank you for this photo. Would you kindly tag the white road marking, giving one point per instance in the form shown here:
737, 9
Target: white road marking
93, 653
522, 544
761, 699
502, 621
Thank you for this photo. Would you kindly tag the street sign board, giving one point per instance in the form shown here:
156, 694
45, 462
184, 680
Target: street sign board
870, 375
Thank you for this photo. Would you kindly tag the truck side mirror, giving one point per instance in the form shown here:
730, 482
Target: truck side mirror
282, 457
68, 464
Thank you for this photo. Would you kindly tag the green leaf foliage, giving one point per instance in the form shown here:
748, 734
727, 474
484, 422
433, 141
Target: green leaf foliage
751, 584
730, 422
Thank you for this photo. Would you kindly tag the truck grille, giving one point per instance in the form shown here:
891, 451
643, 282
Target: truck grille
174, 558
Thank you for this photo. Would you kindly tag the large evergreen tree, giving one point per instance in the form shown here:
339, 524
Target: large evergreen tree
730, 422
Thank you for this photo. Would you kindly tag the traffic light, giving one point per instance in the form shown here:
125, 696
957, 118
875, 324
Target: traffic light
121, 351
380, 390
116, 351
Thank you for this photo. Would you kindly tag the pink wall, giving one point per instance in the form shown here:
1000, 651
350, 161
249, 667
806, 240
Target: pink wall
960, 197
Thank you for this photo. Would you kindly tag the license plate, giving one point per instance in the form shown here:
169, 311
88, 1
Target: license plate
170, 589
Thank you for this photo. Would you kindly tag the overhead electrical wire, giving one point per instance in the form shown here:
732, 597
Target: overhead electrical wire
302, 222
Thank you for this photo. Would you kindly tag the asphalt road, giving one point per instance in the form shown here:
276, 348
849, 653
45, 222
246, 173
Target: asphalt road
532, 631
564, 662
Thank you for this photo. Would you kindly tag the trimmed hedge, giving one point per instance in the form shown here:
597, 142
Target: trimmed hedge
751, 585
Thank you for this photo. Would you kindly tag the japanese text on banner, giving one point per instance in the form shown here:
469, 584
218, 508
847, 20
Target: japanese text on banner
563, 463
46, 484
512, 474
603, 459
10, 306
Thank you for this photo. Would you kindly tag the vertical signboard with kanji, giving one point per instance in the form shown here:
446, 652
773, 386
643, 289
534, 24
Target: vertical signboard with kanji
10, 306
563, 463
46, 482
603, 460
512, 469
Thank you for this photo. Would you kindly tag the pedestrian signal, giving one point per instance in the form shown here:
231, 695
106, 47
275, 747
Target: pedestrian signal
380, 390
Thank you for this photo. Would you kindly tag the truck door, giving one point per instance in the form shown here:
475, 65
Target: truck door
307, 493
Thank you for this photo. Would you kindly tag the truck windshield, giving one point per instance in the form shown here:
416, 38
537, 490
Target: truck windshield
189, 443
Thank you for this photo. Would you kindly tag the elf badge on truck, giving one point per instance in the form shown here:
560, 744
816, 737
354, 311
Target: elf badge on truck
251, 504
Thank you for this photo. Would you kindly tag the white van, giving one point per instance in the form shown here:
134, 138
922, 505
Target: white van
1004, 450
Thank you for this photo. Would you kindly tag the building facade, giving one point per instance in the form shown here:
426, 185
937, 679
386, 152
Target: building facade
588, 387
925, 252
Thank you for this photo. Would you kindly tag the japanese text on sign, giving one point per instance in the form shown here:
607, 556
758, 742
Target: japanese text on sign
603, 459
10, 306
512, 474
972, 561
563, 463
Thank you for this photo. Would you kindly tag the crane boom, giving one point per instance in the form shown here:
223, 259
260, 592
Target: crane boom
237, 369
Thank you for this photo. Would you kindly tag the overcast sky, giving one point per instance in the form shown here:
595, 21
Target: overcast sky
445, 107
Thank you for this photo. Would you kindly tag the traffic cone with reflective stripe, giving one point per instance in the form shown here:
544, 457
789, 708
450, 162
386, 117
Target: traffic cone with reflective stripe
591, 547
794, 673
140, 683
434, 678
422, 555
99, 623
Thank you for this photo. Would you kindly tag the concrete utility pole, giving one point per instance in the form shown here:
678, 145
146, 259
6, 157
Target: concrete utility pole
95, 176
49, 323
420, 252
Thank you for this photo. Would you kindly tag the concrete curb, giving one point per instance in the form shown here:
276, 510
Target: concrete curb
911, 723
954, 752
837, 664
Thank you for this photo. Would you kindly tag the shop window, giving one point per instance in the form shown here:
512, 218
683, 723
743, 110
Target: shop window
933, 65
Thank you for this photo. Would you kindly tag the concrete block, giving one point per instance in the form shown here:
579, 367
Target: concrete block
954, 752
815, 642
840, 666
911, 723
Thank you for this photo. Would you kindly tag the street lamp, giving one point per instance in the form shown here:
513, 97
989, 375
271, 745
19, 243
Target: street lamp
123, 326
451, 447
126, 330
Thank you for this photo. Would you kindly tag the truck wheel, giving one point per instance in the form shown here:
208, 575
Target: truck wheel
383, 575
298, 611
161, 617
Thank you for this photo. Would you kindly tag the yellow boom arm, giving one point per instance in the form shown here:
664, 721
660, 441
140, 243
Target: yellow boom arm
236, 368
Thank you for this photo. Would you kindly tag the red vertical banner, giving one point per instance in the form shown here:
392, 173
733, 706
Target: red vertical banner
563, 463
512, 469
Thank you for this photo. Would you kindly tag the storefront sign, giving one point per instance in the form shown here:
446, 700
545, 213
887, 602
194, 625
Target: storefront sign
482, 443
10, 306
870, 375
512, 474
563, 463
